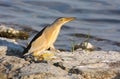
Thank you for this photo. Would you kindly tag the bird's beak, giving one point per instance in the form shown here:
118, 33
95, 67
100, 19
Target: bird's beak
69, 19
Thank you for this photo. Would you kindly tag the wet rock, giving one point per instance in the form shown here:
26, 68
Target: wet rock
86, 45
9, 32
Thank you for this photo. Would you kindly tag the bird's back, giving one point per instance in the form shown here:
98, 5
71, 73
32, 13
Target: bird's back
37, 36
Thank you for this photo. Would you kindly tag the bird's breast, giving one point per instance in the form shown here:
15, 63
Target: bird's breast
51, 35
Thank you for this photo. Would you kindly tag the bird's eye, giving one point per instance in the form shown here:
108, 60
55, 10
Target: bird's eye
62, 19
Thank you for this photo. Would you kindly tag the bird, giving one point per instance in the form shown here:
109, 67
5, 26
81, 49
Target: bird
46, 38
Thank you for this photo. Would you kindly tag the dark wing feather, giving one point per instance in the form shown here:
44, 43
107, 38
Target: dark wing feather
37, 35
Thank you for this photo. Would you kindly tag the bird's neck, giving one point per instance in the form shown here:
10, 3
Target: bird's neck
57, 25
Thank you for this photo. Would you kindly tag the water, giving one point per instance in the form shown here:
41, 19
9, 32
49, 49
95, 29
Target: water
99, 18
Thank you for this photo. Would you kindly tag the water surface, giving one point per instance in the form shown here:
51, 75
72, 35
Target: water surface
99, 18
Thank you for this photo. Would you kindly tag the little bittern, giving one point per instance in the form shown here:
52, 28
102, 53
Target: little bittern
46, 37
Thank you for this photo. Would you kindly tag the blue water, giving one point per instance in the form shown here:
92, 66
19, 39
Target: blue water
99, 18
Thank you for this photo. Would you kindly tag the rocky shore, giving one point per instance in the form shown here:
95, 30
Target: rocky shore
79, 64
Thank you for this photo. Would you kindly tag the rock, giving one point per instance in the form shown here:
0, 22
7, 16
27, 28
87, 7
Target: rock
3, 50
42, 70
3, 76
79, 64
2, 68
94, 71
9, 65
94, 65
87, 46
12, 33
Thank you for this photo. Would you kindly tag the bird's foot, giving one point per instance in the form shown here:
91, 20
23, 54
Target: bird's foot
46, 55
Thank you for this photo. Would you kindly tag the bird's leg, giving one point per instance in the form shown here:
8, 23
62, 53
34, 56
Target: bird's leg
35, 54
52, 48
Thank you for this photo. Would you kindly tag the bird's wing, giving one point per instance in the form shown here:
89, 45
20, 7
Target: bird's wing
37, 36
39, 44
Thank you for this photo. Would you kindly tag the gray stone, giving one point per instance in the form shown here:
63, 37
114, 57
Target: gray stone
79, 64
42, 68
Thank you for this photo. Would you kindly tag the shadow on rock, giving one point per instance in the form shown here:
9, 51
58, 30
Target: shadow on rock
10, 47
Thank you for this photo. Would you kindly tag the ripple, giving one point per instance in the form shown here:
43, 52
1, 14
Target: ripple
4, 5
103, 20
52, 5
6, 16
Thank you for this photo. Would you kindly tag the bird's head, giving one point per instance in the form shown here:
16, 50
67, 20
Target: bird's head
64, 20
